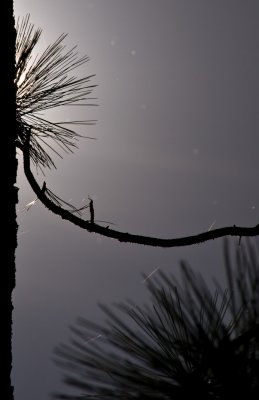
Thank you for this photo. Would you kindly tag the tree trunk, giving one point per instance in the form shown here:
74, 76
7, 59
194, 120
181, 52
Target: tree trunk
9, 192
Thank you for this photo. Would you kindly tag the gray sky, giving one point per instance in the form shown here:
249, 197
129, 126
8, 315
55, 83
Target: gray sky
176, 151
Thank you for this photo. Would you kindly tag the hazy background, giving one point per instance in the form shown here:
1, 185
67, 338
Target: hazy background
176, 151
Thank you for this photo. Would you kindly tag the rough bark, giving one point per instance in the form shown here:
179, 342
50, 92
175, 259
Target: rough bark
9, 195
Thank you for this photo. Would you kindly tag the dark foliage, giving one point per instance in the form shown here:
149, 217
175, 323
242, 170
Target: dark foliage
45, 82
191, 343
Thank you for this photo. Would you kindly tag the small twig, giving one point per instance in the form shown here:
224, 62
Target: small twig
91, 207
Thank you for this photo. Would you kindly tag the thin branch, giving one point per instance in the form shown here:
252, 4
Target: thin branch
126, 237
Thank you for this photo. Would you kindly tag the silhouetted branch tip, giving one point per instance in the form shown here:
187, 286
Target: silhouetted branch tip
44, 82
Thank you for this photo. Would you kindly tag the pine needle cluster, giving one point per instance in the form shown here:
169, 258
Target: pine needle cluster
45, 82
192, 343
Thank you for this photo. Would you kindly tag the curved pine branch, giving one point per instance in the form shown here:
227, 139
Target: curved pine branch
126, 237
